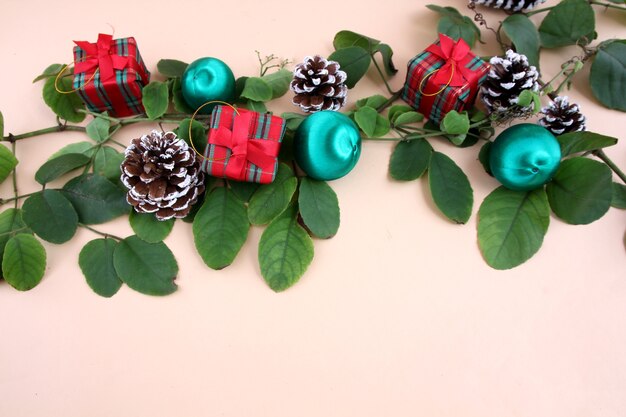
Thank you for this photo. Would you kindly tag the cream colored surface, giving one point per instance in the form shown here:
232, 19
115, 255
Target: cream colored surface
397, 316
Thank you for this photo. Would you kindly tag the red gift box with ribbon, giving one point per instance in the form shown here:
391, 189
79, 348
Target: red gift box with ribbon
243, 145
109, 75
444, 77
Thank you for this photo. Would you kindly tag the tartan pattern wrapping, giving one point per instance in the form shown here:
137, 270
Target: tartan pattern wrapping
436, 106
261, 130
119, 95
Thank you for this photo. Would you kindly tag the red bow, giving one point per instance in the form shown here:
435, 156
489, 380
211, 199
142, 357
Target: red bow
99, 55
453, 71
255, 151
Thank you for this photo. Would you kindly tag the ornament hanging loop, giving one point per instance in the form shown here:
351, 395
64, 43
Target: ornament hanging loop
421, 87
193, 116
58, 76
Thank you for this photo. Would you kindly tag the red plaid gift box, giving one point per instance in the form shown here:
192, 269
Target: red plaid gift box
243, 145
444, 77
109, 75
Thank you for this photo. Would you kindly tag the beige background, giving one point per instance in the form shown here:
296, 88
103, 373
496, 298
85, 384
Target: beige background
397, 316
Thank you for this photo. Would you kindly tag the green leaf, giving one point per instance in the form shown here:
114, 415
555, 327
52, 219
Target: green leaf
450, 188
524, 35
387, 54
23, 262
371, 122
220, 228
272, 199
240, 83
346, 39
51, 71
285, 251
208, 184
107, 163
63, 105
407, 118
59, 166
278, 82
576, 142
293, 120
511, 226
11, 223
257, 89
455, 123
172, 68
198, 133
86, 148
257, 106
149, 268
619, 196
396, 110
319, 207
95, 199
374, 101
49, 214
148, 228
570, 22
155, 99
455, 25
8, 162
410, 159
483, 157
96, 262
581, 190
608, 75
98, 129
243, 190
180, 104
354, 60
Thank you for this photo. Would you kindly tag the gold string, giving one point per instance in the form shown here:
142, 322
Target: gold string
56, 81
442, 88
191, 124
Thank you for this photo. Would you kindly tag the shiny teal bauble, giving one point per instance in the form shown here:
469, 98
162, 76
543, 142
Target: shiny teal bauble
207, 79
524, 157
327, 145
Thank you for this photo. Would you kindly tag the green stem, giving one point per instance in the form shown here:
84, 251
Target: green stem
539, 11
601, 155
382, 75
105, 235
607, 5
17, 197
390, 100
54, 129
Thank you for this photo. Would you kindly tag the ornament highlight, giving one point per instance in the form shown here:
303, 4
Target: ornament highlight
524, 157
327, 145
207, 79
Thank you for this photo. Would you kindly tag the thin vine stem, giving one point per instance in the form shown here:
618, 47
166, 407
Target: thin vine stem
15, 194
105, 235
390, 100
382, 76
54, 129
537, 11
607, 5
609, 162
17, 197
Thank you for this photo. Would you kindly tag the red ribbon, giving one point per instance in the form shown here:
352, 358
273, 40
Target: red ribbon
99, 55
456, 55
256, 151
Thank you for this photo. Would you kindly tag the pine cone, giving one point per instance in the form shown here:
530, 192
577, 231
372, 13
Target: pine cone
562, 117
162, 174
507, 78
510, 5
319, 85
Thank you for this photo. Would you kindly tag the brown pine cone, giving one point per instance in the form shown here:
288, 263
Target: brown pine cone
561, 117
510, 5
319, 85
162, 175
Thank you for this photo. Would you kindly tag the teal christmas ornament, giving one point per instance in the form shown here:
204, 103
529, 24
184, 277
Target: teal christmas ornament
327, 145
207, 79
524, 157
